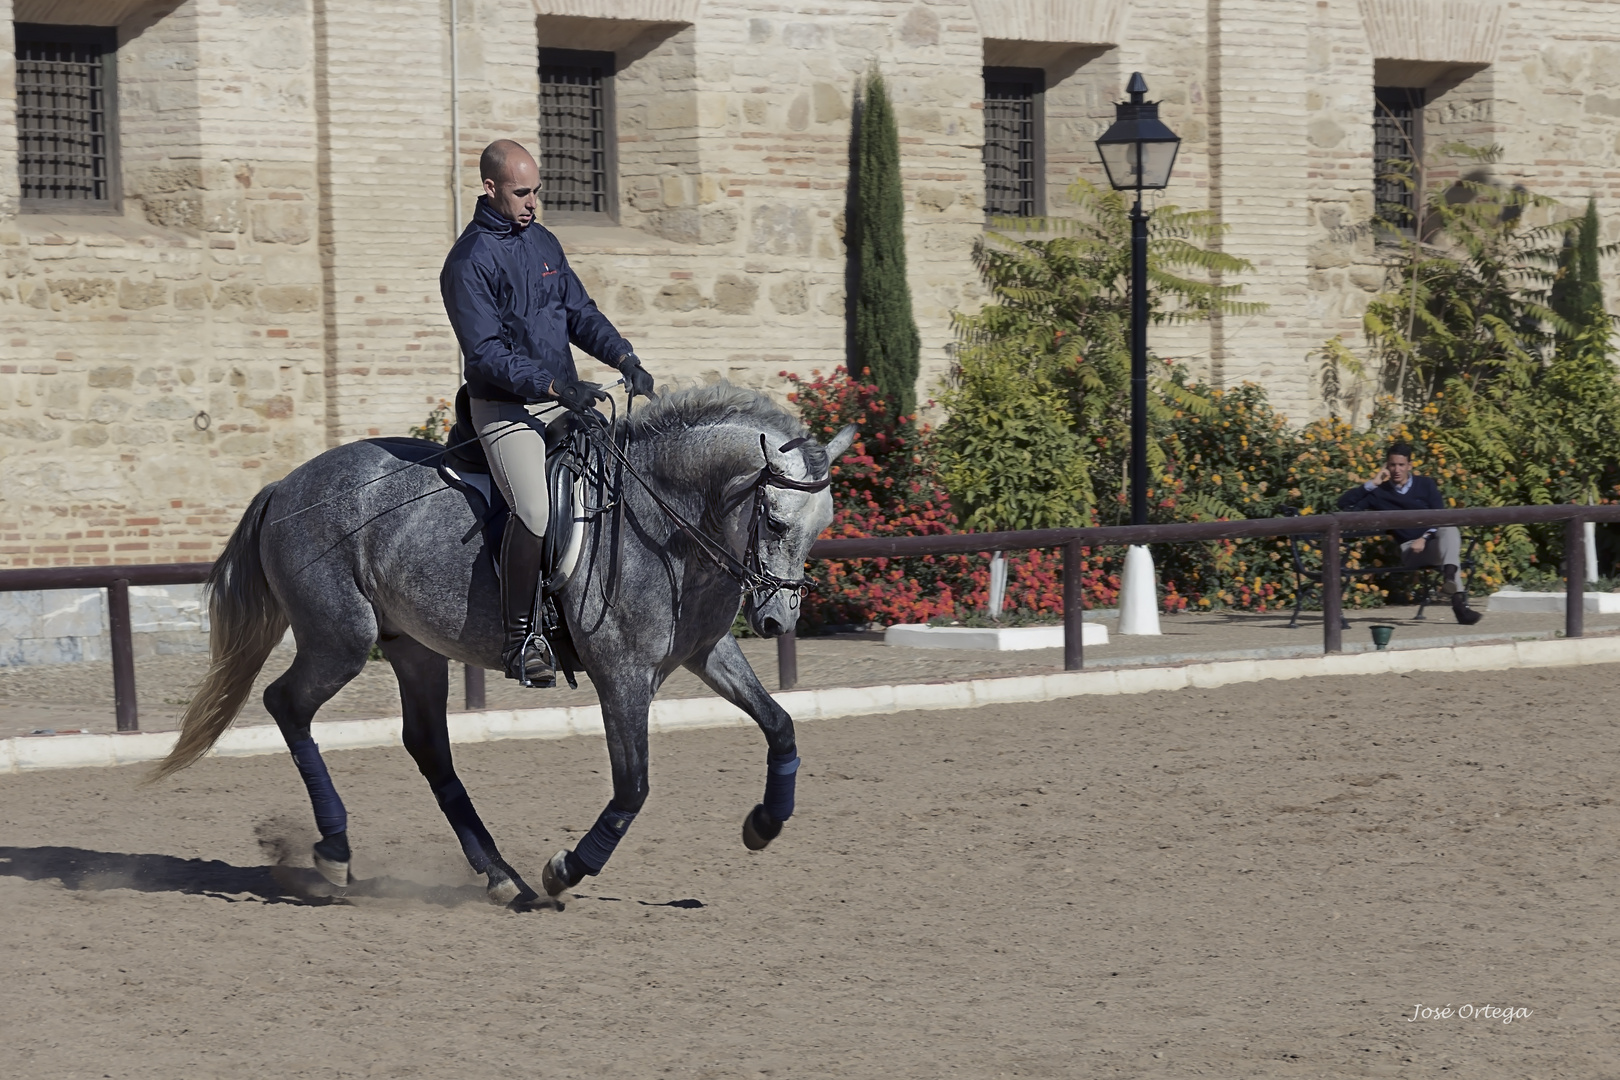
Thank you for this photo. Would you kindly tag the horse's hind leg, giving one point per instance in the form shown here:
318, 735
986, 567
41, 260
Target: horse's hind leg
315, 675
424, 693
728, 673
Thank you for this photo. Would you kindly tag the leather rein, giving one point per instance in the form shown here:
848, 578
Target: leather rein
749, 572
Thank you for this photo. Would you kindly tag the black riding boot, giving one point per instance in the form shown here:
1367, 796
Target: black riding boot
524, 652
1459, 607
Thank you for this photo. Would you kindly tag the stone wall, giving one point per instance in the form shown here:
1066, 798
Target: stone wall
269, 285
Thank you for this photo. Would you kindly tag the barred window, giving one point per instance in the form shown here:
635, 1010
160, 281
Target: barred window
578, 171
66, 117
1014, 137
1397, 149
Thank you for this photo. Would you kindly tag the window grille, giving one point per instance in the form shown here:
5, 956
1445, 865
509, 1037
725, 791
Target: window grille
577, 167
1014, 157
66, 110
1397, 148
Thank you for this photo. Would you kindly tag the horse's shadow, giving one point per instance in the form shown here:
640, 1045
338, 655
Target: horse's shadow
83, 870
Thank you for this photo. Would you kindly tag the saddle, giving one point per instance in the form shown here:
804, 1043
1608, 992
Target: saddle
465, 467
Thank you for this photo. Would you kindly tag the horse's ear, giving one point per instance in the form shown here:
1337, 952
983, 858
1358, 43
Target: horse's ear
840, 443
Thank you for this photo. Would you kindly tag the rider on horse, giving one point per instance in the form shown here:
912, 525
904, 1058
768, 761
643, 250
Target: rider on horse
516, 305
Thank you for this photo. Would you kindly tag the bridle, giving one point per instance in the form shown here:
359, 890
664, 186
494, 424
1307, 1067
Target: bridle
749, 572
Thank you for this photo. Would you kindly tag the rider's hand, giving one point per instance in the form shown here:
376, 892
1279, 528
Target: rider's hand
578, 396
636, 379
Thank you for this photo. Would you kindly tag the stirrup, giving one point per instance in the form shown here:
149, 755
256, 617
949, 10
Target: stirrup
532, 664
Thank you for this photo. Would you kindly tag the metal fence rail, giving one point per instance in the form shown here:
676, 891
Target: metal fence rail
117, 579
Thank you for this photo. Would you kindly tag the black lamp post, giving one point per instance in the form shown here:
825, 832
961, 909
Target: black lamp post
1138, 152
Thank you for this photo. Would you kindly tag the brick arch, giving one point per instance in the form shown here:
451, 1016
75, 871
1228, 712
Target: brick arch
1449, 31
1074, 22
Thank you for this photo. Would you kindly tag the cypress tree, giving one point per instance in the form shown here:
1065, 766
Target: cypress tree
886, 346
1577, 294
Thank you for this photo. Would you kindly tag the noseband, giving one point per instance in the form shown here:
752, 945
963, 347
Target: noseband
763, 584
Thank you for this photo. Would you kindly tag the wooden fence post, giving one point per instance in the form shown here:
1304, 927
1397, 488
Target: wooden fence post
123, 655
1332, 595
1574, 577
787, 660
1074, 625
472, 686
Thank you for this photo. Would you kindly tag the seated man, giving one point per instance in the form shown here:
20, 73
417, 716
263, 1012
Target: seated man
1395, 488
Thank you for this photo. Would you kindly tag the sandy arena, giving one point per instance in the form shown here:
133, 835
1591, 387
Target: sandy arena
1258, 881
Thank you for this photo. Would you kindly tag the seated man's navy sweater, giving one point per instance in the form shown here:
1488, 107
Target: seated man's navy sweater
1423, 494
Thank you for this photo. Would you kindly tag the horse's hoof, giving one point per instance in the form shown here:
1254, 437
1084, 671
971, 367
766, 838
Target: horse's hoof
555, 877
501, 890
759, 829
506, 888
335, 872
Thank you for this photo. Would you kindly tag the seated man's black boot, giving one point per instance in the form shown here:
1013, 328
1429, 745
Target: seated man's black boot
1459, 607
524, 651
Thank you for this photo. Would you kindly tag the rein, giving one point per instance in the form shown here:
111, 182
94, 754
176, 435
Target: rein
749, 572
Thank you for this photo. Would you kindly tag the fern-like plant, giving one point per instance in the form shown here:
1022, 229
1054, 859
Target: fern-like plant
1039, 395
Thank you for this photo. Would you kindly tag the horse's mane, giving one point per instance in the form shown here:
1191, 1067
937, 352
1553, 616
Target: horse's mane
719, 403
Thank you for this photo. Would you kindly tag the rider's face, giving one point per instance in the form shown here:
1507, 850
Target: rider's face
516, 195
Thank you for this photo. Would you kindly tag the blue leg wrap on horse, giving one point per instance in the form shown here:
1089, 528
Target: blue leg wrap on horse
476, 843
780, 776
597, 848
330, 817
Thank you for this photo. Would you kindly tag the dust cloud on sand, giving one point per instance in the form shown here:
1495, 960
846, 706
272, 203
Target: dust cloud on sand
1268, 880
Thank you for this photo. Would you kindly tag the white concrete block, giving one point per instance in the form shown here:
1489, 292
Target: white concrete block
1593, 603
996, 691
468, 727
248, 740
353, 734
586, 720
989, 638
800, 704
138, 747
1147, 680
859, 700
677, 713
1077, 683
62, 752
549, 723
957, 695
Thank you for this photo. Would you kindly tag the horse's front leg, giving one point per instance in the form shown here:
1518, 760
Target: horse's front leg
728, 673
624, 715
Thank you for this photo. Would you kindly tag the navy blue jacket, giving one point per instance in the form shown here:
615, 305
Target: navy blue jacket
515, 305
1424, 494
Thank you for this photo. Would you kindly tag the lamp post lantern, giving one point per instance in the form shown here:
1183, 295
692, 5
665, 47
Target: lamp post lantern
1138, 152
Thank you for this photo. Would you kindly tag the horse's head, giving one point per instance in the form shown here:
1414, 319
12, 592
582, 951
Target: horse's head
785, 522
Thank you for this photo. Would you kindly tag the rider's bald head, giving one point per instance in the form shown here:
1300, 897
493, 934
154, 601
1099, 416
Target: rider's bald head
511, 180
499, 157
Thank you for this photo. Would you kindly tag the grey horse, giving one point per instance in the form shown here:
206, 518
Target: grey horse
368, 544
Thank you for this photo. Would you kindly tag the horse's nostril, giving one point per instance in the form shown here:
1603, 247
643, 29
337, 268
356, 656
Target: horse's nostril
770, 627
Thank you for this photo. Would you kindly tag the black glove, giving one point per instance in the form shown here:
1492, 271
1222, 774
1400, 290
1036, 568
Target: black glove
636, 379
578, 395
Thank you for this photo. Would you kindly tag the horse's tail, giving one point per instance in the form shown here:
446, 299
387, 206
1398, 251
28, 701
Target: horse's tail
246, 622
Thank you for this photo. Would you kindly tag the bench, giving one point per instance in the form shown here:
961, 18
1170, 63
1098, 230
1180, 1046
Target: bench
1304, 577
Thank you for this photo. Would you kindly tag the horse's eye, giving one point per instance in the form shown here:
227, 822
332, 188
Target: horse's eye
777, 525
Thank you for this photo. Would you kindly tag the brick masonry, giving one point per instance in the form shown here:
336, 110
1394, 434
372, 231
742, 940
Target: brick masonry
269, 285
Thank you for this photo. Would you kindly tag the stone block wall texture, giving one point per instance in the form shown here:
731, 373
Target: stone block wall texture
268, 287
